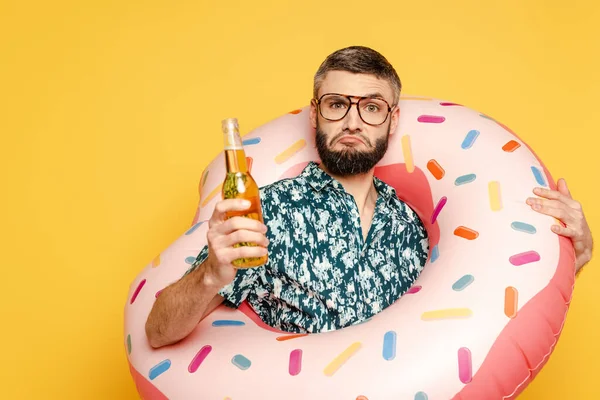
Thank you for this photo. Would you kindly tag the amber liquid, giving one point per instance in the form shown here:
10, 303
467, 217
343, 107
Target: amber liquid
239, 184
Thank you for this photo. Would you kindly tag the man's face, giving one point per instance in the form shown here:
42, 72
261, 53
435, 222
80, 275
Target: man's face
350, 146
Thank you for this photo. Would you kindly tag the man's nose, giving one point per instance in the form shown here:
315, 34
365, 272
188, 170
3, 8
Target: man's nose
353, 122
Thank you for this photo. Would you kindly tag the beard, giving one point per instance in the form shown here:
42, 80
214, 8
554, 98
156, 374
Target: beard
350, 161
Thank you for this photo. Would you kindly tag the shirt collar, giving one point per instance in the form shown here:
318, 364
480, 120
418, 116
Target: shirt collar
318, 179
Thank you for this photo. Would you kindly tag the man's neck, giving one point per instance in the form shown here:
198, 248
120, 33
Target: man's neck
359, 186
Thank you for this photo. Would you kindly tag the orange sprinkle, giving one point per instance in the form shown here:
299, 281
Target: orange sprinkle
296, 112
288, 337
466, 233
511, 296
511, 146
156, 261
212, 194
249, 161
436, 169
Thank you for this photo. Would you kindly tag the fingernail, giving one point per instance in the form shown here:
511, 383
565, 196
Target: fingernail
536, 206
246, 203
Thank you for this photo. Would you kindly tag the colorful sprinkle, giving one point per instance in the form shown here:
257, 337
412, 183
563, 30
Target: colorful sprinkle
466, 233
204, 176
465, 372
159, 368
469, 139
289, 337
538, 176
438, 208
156, 261
190, 260
421, 396
431, 119
157, 293
228, 322
193, 228
337, 362
251, 142
435, 253
436, 169
445, 104
414, 289
249, 162
447, 313
198, 359
212, 194
241, 362
290, 151
137, 291
523, 227
495, 196
487, 117
407, 152
463, 282
295, 365
389, 345
461, 180
511, 146
295, 112
128, 344
511, 299
524, 258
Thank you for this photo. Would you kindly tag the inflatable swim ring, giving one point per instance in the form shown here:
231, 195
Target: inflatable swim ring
479, 323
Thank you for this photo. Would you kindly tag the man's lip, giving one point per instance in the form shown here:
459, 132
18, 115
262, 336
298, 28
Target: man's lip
351, 139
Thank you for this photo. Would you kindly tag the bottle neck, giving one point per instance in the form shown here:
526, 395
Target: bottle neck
235, 161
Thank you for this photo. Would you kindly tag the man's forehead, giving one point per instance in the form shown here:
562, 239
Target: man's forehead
354, 84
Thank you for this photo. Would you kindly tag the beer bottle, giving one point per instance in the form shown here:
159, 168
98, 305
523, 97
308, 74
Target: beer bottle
239, 184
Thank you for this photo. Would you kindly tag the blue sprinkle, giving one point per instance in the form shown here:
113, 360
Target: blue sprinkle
389, 345
159, 368
538, 176
463, 283
461, 180
435, 253
241, 362
227, 322
421, 396
470, 139
190, 260
523, 227
193, 228
250, 142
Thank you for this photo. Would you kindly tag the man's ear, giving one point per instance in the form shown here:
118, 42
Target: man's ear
313, 113
395, 119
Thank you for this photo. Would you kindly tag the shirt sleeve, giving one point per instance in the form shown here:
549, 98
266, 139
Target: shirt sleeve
235, 292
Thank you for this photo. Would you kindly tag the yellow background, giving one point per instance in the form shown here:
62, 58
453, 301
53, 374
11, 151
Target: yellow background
110, 110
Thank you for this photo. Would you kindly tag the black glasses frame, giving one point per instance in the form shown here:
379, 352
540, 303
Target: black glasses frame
349, 97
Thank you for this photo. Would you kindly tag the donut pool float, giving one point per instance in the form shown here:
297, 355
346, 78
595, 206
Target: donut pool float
479, 323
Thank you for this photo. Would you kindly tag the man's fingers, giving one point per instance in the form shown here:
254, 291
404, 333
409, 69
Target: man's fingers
554, 195
222, 207
560, 213
232, 253
244, 236
238, 223
562, 187
564, 231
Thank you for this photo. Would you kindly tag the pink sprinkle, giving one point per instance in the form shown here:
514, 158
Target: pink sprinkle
137, 291
524, 258
198, 358
414, 289
157, 293
295, 362
438, 208
465, 372
432, 119
450, 104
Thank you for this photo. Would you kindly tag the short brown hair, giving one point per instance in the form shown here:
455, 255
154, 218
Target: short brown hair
359, 60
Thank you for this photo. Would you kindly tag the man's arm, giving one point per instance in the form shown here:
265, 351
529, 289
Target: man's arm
181, 306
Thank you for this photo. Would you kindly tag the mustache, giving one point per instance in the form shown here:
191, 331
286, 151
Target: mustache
344, 133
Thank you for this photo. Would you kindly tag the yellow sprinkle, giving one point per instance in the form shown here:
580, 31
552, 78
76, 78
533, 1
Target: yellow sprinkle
446, 313
494, 193
212, 194
156, 261
337, 362
407, 151
290, 151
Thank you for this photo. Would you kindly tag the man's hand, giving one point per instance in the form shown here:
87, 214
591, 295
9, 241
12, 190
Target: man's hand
223, 233
560, 205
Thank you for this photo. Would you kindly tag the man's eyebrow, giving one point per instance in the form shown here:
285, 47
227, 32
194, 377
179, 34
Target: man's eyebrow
372, 95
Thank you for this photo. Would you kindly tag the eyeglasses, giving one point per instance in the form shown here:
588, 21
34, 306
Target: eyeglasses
335, 106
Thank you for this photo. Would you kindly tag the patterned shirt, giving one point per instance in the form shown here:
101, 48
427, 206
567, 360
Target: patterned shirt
321, 274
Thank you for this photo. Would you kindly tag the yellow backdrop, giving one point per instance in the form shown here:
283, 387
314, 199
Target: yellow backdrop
110, 110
